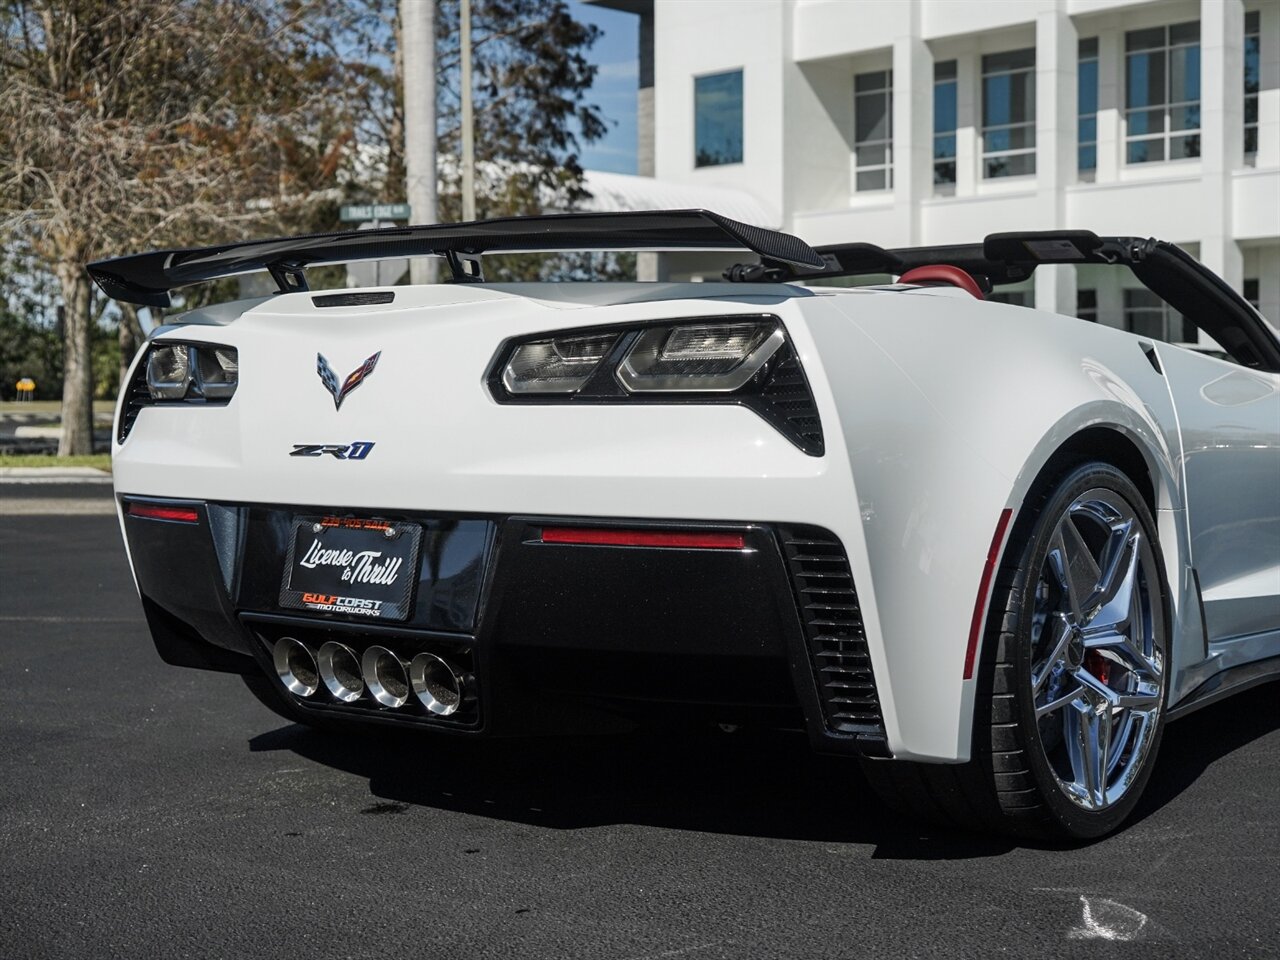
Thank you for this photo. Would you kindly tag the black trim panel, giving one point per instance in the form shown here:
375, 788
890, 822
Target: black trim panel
178, 574
665, 601
1224, 684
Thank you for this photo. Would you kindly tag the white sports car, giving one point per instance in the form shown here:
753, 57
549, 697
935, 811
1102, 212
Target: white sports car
987, 549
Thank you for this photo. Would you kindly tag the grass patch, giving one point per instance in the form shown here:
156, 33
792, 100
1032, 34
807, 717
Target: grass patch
101, 461
50, 406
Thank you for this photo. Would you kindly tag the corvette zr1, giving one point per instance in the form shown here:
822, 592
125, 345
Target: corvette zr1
988, 550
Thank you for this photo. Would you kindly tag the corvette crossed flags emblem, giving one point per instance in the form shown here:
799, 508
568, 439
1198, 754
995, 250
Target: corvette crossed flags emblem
354, 379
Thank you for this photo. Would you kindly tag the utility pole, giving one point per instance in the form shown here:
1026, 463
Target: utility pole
468, 132
418, 48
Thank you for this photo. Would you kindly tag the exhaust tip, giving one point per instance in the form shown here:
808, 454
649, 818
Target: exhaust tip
295, 666
385, 676
437, 685
340, 671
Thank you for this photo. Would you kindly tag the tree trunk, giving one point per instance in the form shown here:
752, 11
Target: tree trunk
77, 383
131, 338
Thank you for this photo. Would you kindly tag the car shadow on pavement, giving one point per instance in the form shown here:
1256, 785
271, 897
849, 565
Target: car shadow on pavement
1193, 744
764, 785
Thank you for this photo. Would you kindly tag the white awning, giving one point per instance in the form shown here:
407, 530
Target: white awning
615, 192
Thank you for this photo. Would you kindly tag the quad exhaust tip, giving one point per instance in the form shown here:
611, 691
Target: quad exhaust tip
295, 666
340, 671
385, 676
438, 687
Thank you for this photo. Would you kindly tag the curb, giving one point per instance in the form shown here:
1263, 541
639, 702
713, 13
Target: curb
53, 475
51, 433
57, 507
47, 418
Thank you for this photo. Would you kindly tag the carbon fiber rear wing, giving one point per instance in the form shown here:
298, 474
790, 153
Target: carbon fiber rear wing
147, 278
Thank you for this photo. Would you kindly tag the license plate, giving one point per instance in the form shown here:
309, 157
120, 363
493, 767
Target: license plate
351, 566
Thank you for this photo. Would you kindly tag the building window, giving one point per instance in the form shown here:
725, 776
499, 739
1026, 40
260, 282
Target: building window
873, 130
1162, 93
1087, 94
944, 122
1251, 291
1252, 65
1009, 114
1087, 305
1148, 316
717, 124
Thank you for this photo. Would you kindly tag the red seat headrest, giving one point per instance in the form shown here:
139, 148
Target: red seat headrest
943, 273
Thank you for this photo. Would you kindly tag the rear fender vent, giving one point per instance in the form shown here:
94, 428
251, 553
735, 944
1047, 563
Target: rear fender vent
137, 396
787, 402
833, 629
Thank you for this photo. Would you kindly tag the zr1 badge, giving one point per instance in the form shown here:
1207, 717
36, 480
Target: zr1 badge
342, 451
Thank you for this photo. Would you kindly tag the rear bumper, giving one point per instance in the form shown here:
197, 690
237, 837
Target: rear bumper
769, 632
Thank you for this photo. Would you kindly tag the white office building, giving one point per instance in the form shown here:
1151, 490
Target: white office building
907, 122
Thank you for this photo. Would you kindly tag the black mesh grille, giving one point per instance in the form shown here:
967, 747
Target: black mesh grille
786, 399
832, 621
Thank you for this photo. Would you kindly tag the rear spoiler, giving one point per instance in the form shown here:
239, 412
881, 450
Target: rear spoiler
147, 278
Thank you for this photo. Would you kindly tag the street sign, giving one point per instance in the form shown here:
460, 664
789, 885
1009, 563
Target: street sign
359, 212
375, 273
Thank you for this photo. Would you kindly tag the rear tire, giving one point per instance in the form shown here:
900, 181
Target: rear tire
1073, 677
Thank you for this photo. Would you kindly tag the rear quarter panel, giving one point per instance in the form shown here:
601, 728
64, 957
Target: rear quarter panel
949, 407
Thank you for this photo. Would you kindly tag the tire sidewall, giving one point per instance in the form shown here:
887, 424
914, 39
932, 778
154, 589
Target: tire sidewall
1034, 545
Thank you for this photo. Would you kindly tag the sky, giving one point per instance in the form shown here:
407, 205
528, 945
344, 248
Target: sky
616, 53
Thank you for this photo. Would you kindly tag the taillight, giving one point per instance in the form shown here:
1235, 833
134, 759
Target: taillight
559, 365
173, 373
747, 360
190, 371
691, 357
614, 537
174, 513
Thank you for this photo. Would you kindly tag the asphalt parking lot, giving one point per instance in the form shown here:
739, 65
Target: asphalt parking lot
150, 811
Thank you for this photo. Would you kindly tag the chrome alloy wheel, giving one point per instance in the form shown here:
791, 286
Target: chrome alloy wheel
1097, 650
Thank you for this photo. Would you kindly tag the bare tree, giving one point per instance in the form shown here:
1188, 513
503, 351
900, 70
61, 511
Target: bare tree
128, 125
532, 97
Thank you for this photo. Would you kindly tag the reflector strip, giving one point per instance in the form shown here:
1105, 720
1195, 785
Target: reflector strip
157, 511
984, 589
697, 540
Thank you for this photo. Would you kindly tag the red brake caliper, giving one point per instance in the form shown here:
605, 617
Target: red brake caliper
1098, 665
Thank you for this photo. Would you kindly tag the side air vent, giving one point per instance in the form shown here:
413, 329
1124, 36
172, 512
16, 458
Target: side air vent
137, 397
372, 298
837, 642
786, 400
